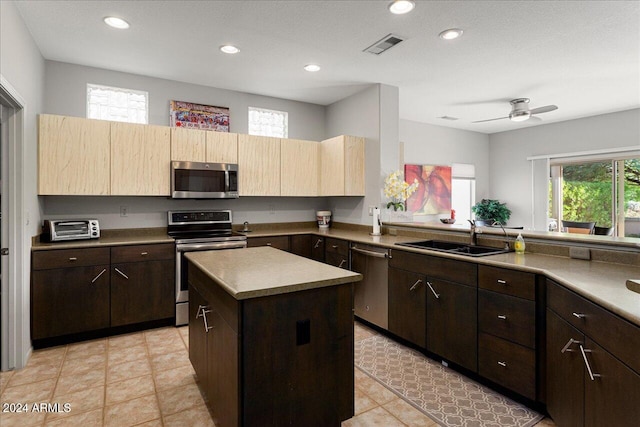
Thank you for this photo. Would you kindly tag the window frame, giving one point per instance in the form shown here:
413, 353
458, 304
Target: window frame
285, 115
121, 90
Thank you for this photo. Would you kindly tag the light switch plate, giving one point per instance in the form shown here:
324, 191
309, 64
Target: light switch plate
580, 253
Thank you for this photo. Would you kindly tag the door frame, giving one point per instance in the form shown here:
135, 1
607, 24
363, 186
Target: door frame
14, 333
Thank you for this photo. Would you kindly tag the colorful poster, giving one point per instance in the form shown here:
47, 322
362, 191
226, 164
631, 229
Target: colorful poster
433, 196
196, 116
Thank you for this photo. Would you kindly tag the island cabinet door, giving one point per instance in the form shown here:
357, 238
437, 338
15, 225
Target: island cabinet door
565, 377
452, 322
223, 375
408, 306
612, 390
198, 335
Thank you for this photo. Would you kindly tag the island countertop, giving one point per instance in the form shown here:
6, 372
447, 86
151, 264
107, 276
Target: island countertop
262, 271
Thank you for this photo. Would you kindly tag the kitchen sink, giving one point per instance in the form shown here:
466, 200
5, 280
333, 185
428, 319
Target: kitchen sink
454, 248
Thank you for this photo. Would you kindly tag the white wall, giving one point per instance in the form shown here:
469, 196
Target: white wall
510, 174
65, 94
437, 145
22, 65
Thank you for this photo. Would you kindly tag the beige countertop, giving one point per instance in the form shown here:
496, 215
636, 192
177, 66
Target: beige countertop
263, 271
602, 282
134, 236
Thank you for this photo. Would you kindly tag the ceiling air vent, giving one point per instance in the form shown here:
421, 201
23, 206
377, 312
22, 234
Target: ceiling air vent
386, 43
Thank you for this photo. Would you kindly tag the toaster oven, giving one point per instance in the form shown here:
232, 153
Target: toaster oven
55, 230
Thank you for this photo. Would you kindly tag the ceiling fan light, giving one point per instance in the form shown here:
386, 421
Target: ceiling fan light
400, 7
520, 116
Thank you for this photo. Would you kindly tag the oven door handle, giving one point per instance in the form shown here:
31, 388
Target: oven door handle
186, 247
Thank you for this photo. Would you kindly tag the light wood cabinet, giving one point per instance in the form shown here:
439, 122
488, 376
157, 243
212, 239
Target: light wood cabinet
188, 145
342, 160
258, 165
73, 156
140, 160
299, 167
222, 147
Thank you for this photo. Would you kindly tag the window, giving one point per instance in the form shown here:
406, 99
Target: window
268, 122
463, 190
117, 104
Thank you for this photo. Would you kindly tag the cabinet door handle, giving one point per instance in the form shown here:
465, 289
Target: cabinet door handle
200, 308
121, 273
437, 295
579, 315
334, 246
317, 245
415, 285
206, 324
268, 243
342, 263
503, 364
502, 282
569, 344
586, 362
502, 317
144, 253
98, 276
72, 259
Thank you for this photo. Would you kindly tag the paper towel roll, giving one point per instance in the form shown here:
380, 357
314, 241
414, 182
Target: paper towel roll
376, 221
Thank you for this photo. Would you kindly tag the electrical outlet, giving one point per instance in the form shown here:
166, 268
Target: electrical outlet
370, 210
124, 211
272, 209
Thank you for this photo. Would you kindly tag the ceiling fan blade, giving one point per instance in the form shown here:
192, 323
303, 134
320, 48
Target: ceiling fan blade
490, 120
544, 109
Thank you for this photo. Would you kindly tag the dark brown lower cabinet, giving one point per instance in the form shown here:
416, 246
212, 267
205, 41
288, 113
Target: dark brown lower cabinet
408, 306
452, 322
301, 244
276, 360
69, 300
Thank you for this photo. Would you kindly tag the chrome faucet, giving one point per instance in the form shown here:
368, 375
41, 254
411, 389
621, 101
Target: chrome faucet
474, 237
506, 237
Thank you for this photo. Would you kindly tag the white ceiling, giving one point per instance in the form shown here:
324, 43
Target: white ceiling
583, 56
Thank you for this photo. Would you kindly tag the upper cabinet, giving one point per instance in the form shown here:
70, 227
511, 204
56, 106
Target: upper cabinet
342, 166
299, 167
194, 145
73, 156
140, 159
258, 165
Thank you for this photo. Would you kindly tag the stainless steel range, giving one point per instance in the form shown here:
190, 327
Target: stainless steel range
204, 230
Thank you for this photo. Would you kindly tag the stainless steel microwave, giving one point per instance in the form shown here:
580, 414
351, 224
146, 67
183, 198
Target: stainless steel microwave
197, 180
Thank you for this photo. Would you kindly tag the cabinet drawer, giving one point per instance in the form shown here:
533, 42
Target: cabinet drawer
508, 317
63, 258
510, 365
337, 260
615, 334
434, 266
337, 246
510, 282
138, 253
278, 242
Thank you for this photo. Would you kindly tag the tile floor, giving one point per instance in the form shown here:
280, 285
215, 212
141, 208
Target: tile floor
146, 379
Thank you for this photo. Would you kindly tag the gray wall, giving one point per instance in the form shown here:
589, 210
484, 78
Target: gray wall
66, 95
22, 65
510, 175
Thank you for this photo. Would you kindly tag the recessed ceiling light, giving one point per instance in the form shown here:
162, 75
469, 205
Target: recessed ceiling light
451, 33
229, 49
400, 7
312, 68
118, 23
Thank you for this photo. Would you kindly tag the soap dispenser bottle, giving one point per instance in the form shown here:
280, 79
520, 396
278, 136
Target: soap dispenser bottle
519, 244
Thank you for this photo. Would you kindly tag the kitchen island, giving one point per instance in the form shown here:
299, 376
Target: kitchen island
271, 337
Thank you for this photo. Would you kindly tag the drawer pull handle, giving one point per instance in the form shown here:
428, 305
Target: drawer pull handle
503, 364
144, 253
342, 263
437, 295
502, 282
569, 344
98, 276
268, 243
579, 315
121, 273
207, 328
317, 245
200, 309
586, 362
415, 285
334, 246
502, 317
72, 259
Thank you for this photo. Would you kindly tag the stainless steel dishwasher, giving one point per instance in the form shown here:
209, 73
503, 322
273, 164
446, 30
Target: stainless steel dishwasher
371, 294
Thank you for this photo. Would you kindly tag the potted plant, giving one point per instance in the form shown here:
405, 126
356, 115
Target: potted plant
489, 211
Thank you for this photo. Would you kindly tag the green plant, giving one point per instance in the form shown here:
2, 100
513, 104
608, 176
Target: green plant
491, 210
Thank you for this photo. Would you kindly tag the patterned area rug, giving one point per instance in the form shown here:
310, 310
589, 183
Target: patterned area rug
441, 393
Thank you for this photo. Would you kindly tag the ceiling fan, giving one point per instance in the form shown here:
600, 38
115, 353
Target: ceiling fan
520, 111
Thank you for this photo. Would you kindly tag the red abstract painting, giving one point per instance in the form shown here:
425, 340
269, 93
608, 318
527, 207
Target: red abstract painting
433, 196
